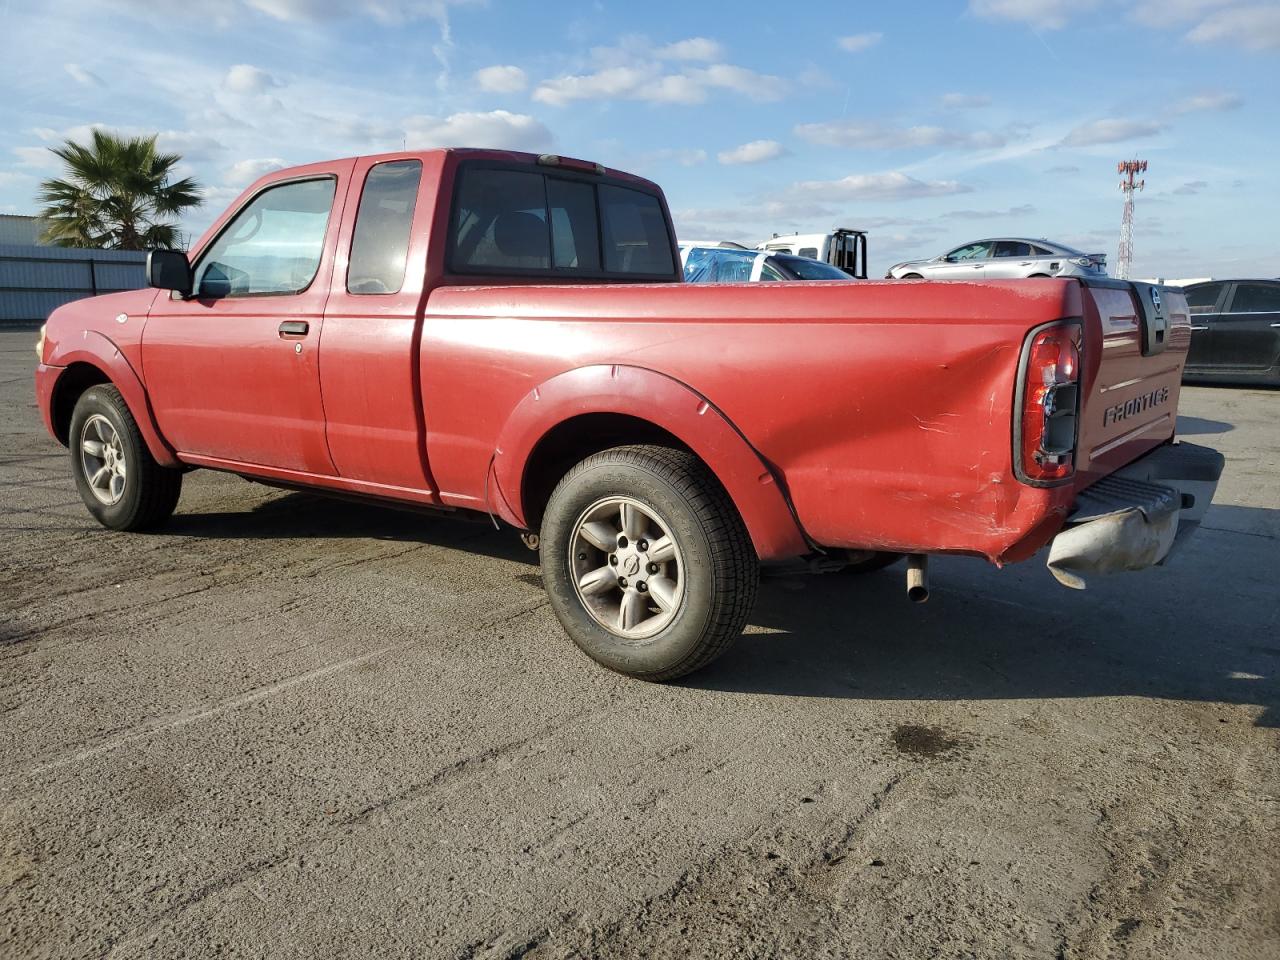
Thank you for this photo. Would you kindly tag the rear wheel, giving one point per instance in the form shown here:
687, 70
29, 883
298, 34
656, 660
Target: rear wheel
118, 479
646, 561
1041, 276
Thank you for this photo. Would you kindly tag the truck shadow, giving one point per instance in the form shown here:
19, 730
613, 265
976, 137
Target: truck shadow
1199, 426
307, 516
1200, 629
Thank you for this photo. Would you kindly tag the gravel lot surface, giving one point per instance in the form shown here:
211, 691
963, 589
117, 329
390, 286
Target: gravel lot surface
291, 727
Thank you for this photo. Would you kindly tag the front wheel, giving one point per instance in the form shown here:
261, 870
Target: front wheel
912, 276
647, 563
118, 479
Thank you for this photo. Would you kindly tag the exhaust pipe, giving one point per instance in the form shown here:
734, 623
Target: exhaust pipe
917, 577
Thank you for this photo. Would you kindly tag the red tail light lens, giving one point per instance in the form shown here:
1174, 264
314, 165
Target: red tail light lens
1048, 401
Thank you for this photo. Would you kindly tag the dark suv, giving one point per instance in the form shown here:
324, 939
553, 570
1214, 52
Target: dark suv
1235, 332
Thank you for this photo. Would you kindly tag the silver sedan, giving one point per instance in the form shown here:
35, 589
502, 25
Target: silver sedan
1004, 258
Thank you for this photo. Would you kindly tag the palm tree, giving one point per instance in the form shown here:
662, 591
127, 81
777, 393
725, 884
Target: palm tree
115, 193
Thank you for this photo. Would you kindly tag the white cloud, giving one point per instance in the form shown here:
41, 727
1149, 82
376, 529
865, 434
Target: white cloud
1042, 14
38, 157
756, 86
501, 79
499, 129
872, 135
894, 185
1190, 188
1255, 27
246, 79
757, 151
859, 41
695, 48
384, 11
1209, 102
648, 82
244, 172
1166, 13
965, 101
1110, 131
82, 76
1024, 210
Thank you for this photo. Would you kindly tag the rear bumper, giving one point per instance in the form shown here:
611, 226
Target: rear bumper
1134, 518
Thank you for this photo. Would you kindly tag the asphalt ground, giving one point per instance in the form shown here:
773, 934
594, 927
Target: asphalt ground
292, 727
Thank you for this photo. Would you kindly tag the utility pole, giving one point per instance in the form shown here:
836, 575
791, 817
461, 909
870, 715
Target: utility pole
1128, 169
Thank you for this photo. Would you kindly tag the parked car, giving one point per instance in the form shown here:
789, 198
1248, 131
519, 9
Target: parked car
489, 332
1235, 331
842, 247
706, 264
1004, 258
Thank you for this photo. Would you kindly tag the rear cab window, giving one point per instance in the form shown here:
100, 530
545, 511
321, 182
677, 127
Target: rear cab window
519, 221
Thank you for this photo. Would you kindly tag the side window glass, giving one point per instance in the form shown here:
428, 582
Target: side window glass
575, 237
273, 245
1013, 248
381, 240
974, 251
769, 272
500, 220
1204, 298
810, 252
1256, 298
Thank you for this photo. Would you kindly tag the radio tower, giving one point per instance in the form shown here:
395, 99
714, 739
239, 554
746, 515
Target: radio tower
1128, 169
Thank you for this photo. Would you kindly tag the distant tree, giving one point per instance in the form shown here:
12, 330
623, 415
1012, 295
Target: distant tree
115, 193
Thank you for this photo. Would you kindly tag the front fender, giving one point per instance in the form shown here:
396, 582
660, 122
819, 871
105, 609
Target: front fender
99, 351
667, 403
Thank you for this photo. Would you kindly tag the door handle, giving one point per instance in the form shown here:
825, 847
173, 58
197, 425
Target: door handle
1206, 328
294, 328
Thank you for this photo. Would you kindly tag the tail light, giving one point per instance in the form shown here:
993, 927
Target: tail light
1047, 405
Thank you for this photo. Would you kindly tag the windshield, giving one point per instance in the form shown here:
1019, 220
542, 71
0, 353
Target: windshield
806, 269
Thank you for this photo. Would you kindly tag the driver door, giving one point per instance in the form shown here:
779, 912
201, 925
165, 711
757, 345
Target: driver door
232, 370
964, 263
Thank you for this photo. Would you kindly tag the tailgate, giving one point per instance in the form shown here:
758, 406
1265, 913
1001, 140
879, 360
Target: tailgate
1136, 340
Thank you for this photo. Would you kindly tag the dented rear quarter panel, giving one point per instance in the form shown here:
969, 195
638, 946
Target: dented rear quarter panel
884, 407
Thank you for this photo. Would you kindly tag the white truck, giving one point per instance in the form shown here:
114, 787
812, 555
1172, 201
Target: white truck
842, 247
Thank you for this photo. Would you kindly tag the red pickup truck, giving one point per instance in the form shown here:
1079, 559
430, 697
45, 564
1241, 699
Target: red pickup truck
502, 333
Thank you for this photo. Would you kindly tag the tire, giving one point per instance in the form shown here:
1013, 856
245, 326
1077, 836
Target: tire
676, 513
912, 276
1038, 276
878, 560
135, 492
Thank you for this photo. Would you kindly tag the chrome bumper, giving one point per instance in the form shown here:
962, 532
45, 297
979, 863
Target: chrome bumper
1136, 517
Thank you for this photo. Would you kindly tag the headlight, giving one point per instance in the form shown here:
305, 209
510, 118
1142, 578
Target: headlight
40, 343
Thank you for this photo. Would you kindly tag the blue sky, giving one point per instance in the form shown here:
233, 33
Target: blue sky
928, 124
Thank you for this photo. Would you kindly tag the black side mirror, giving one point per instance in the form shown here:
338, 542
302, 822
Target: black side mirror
169, 270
